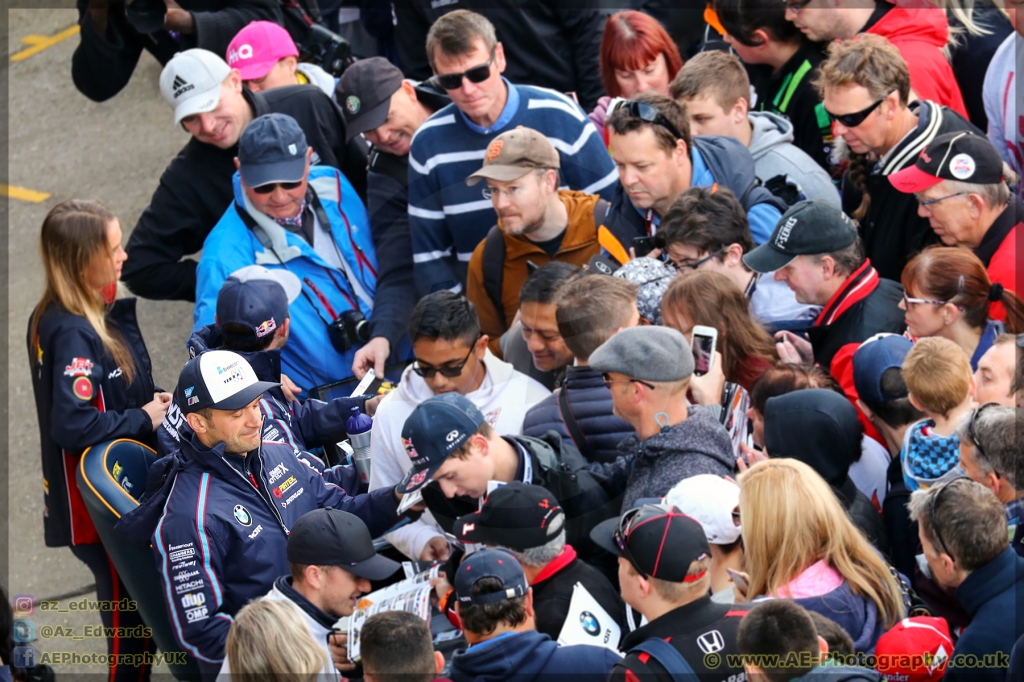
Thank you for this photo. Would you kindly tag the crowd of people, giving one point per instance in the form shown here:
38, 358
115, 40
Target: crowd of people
719, 334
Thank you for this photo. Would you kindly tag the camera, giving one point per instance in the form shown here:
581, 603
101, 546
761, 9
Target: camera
347, 330
328, 49
146, 16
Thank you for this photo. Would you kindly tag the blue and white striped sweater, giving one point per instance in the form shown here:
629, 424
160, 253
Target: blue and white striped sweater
447, 219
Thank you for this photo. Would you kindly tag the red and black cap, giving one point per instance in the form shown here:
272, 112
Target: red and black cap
659, 541
961, 156
518, 516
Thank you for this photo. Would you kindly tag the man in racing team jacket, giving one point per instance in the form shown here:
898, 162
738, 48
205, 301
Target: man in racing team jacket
221, 539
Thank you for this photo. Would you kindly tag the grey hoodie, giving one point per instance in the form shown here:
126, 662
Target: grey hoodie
775, 154
699, 445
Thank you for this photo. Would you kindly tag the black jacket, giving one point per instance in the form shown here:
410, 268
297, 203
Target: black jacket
82, 398
864, 515
892, 231
548, 44
103, 63
902, 531
196, 189
585, 497
695, 630
590, 403
971, 55
552, 595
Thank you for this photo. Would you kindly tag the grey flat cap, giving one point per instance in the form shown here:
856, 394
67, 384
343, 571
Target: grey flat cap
647, 353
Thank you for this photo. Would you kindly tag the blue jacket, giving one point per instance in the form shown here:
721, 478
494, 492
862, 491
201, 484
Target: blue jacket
221, 539
531, 657
853, 613
591, 404
309, 358
993, 596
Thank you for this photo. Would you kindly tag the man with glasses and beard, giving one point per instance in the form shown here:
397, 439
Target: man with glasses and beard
451, 357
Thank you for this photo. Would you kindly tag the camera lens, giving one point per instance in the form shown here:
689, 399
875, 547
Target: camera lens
339, 336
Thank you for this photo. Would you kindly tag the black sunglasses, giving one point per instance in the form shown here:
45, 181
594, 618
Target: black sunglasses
621, 535
449, 371
270, 187
933, 520
973, 435
650, 114
856, 118
478, 74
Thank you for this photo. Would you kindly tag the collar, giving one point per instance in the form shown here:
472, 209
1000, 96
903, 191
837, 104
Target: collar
906, 151
997, 232
295, 221
510, 110
1015, 509
524, 471
855, 289
987, 583
567, 556
579, 230
881, 9
284, 586
692, 617
993, 328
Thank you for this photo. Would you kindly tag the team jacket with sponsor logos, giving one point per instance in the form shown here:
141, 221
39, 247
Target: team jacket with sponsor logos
221, 539
82, 399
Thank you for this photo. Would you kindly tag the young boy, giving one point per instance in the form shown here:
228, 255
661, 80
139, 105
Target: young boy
939, 381
715, 89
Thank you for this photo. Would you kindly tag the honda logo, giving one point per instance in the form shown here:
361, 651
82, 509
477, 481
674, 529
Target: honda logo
710, 642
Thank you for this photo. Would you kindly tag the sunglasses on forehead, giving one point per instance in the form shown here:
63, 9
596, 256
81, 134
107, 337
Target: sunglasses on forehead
650, 114
478, 74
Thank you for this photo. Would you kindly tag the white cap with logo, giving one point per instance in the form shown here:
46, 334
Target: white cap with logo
190, 82
711, 500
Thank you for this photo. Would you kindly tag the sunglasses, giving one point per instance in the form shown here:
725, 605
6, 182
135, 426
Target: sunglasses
650, 114
621, 535
449, 371
933, 520
975, 440
268, 188
478, 74
856, 118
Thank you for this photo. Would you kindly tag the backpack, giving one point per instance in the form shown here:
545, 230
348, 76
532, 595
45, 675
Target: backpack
739, 178
670, 659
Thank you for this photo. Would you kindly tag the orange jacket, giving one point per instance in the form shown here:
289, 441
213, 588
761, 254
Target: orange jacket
579, 245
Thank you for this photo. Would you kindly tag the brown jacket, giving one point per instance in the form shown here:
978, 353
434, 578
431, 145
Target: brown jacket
579, 245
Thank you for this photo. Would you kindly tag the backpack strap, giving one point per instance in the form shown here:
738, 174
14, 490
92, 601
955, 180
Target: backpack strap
601, 207
572, 426
670, 659
494, 267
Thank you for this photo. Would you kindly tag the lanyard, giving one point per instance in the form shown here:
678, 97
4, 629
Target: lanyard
649, 222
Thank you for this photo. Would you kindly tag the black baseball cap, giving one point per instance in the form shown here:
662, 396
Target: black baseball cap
518, 516
490, 563
272, 149
331, 537
808, 228
258, 298
658, 540
436, 428
221, 380
364, 93
960, 156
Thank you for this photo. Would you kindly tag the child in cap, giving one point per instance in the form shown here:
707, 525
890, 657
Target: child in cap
939, 381
266, 57
916, 650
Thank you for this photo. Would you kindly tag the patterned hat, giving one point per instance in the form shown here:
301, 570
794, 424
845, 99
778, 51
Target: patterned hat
652, 278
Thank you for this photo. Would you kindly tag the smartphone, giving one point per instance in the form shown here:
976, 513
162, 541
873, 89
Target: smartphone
737, 579
643, 246
703, 344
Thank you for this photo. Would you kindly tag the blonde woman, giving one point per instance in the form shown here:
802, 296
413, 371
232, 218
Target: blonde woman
269, 641
801, 545
92, 381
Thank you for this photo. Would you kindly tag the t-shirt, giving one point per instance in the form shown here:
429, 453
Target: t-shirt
551, 246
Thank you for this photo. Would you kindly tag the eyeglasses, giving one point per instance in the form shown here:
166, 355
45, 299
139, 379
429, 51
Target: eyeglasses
907, 300
608, 382
929, 202
975, 440
933, 520
856, 118
795, 7
478, 74
693, 265
650, 114
268, 188
511, 192
449, 371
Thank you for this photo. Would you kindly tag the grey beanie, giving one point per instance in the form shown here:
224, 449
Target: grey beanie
647, 353
652, 278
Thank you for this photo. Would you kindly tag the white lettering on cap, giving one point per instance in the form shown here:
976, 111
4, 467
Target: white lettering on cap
787, 227
962, 166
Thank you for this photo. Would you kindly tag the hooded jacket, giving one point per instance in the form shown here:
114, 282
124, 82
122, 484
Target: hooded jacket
855, 614
928, 458
315, 75
531, 657
774, 154
504, 397
698, 445
590, 403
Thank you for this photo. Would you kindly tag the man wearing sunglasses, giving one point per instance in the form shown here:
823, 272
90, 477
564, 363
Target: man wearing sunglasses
866, 92
291, 215
451, 357
963, 532
447, 218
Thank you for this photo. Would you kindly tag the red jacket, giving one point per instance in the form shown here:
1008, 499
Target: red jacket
920, 34
998, 251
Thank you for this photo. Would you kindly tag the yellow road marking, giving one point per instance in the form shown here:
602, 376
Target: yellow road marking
23, 194
40, 43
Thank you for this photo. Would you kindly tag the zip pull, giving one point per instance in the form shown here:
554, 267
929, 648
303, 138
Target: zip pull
253, 479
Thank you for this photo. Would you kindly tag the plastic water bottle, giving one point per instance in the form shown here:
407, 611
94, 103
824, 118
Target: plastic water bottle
358, 427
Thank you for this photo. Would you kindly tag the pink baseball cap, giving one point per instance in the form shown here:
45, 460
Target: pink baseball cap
257, 47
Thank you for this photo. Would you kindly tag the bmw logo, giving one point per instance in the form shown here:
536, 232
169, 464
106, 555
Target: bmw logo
242, 515
590, 624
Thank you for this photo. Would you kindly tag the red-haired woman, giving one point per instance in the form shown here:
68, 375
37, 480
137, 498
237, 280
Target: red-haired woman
637, 54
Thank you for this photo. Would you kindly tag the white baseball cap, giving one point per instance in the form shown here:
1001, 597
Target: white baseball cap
711, 500
191, 81
289, 281
221, 380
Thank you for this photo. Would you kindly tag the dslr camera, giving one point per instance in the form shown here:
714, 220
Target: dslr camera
348, 329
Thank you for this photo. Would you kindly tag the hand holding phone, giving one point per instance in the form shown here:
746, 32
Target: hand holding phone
702, 342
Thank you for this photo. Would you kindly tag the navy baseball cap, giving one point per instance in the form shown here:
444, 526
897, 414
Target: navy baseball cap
221, 380
518, 516
272, 149
872, 359
808, 228
331, 537
490, 563
364, 92
258, 298
436, 428
658, 540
